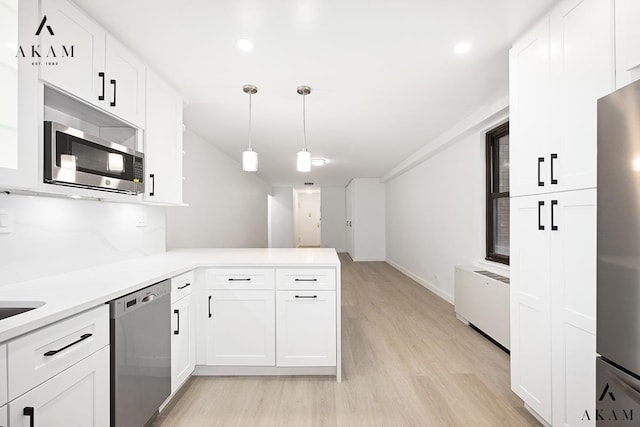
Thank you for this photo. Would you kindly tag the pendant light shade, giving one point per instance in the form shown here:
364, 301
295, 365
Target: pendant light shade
303, 163
250, 157
249, 161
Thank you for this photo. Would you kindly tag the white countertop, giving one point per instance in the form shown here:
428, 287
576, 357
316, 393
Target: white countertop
70, 293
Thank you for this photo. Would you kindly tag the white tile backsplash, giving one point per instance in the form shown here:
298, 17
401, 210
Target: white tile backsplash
56, 235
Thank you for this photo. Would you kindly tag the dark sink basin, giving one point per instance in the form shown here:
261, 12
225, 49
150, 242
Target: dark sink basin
12, 308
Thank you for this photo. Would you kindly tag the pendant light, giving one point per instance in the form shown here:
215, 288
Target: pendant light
304, 157
249, 157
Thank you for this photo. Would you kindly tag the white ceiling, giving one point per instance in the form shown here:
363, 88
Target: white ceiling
383, 74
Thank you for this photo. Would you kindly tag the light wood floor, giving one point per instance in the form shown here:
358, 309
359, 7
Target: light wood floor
407, 361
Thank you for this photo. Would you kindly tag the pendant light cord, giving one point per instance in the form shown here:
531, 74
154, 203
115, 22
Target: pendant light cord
304, 123
250, 148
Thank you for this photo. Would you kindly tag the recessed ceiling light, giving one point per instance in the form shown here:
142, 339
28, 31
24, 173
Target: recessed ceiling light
318, 162
244, 44
462, 47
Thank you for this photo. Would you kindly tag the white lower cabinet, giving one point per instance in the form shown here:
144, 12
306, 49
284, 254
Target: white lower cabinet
78, 396
553, 304
4, 422
183, 342
306, 325
240, 328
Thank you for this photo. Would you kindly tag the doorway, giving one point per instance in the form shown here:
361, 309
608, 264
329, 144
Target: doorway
306, 218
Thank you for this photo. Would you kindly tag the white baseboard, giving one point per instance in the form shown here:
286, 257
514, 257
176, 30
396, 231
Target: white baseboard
372, 259
262, 370
536, 415
436, 290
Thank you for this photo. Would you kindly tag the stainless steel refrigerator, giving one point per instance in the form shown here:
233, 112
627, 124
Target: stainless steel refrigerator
618, 308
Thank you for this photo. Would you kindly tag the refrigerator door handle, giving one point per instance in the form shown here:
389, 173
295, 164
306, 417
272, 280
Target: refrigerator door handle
628, 389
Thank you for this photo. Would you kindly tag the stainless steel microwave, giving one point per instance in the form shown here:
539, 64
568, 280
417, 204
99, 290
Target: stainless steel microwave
75, 158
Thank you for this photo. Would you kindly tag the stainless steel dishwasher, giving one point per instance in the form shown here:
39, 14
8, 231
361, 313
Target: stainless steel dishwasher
140, 355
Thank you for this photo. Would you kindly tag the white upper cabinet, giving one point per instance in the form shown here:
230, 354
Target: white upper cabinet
582, 71
81, 74
90, 64
627, 39
163, 142
529, 93
125, 82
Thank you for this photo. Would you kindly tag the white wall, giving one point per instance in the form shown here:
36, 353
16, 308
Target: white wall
436, 210
368, 217
281, 217
56, 235
227, 207
333, 218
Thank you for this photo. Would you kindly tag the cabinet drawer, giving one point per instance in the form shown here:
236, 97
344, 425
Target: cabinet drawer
181, 285
40, 355
306, 279
240, 278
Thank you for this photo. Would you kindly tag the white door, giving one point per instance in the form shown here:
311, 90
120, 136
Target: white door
530, 302
78, 396
183, 344
163, 142
240, 328
82, 75
308, 219
529, 103
582, 39
573, 284
126, 89
306, 322
349, 215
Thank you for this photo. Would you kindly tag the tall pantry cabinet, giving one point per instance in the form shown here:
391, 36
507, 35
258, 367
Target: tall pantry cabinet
558, 70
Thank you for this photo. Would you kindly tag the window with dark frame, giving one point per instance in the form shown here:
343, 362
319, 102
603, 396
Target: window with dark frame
497, 145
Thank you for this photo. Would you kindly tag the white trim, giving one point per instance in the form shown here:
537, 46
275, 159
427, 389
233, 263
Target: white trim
202, 370
468, 125
368, 259
430, 286
536, 415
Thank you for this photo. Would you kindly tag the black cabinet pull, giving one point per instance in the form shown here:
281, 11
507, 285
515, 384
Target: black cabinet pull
540, 205
306, 280
153, 184
553, 226
29, 411
177, 313
306, 296
54, 352
209, 306
553, 180
231, 279
540, 161
113, 103
185, 286
101, 76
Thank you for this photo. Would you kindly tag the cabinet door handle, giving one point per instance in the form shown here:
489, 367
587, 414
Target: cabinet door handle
232, 279
540, 161
553, 157
153, 185
553, 226
101, 76
185, 286
177, 313
305, 280
54, 352
113, 103
540, 205
209, 306
306, 296
29, 411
